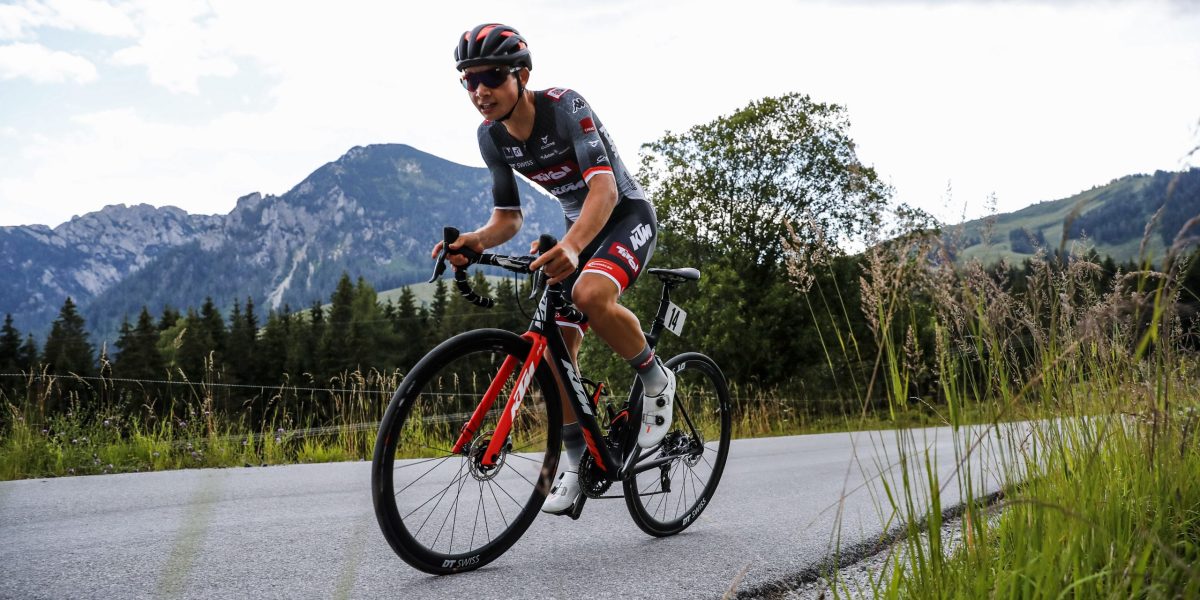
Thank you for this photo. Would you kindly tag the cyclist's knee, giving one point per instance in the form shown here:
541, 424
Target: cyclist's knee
594, 293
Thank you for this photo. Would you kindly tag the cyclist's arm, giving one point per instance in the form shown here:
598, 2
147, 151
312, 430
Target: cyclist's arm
506, 217
597, 208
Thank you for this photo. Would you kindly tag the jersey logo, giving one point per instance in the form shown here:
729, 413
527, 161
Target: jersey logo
602, 159
620, 250
556, 93
594, 143
512, 152
555, 173
640, 235
570, 187
587, 125
577, 105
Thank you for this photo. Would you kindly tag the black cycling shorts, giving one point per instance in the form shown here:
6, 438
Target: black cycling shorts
623, 247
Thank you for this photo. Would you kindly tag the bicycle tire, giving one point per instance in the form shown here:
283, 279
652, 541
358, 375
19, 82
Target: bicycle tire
415, 440
702, 410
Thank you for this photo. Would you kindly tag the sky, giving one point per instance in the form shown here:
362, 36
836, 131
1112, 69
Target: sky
962, 106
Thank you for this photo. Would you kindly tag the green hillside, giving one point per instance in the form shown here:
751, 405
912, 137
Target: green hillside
1111, 218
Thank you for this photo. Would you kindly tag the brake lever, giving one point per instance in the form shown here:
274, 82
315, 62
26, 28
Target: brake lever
449, 236
545, 243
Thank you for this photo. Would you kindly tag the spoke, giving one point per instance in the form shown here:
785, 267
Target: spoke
510, 496
478, 506
696, 477
438, 496
487, 530
421, 462
500, 510
410, 484
453, 521
514, 470
682, 493
532, 460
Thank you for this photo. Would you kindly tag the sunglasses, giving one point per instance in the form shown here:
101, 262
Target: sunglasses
492, 78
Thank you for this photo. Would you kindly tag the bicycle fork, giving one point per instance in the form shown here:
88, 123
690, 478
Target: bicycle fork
591, 429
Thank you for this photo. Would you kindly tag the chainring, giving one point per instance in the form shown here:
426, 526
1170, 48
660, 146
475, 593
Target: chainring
592, 480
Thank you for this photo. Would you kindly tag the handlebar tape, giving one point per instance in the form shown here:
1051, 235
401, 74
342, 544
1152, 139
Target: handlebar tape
464, 290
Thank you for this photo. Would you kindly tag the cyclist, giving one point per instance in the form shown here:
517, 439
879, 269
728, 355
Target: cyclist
553, 138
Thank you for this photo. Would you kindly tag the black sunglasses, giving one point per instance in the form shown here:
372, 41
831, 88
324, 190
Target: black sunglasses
492, 78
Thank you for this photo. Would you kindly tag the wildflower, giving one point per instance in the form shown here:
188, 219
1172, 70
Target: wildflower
154, 454
107, 423
277, 439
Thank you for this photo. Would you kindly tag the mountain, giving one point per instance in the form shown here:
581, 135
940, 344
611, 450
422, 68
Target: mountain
375, 213
1112, 218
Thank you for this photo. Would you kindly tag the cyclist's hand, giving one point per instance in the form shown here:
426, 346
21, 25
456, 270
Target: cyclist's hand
470, 240
558, 264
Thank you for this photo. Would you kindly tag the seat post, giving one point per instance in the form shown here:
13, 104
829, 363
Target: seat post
660, 319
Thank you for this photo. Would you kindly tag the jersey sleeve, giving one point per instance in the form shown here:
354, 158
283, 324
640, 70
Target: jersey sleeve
583, 129
504, 183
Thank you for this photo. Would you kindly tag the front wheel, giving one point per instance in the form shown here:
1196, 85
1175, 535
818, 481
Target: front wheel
667, 499
444, 511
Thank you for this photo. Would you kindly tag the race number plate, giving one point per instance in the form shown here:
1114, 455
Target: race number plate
675, 319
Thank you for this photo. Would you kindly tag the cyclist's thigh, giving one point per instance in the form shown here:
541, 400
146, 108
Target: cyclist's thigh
623, 247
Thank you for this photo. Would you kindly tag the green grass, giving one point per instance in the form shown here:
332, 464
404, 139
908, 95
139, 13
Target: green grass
1103, 499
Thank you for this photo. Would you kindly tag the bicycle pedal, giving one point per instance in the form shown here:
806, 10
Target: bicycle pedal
577, 508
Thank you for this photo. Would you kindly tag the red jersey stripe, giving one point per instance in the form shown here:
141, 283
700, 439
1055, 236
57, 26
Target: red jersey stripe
594, 170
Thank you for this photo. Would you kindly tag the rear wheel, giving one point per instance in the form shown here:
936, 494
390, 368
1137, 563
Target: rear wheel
667, 499
446, 512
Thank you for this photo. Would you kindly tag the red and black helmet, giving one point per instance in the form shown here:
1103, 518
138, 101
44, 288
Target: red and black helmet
492, 44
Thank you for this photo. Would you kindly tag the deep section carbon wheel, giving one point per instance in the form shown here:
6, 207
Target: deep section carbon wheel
444, 511
667, 499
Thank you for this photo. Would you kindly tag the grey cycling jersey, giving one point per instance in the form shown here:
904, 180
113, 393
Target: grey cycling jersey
568, 146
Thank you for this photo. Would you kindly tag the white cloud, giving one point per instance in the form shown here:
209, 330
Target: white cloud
1029, 101
18, 21
179, 46
43, 65
91, 16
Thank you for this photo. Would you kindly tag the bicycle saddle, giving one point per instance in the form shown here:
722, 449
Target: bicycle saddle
676, 275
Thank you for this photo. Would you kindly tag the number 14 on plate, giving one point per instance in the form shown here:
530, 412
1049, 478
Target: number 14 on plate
675, 319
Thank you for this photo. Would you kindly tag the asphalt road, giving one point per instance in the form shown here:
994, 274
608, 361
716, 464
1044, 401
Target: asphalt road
309, 531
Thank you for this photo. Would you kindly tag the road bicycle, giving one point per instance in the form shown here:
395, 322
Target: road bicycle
457, 477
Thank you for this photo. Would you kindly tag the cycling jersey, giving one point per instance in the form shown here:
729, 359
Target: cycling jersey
567, 147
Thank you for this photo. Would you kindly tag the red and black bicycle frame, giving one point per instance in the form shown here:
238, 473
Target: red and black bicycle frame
546, 342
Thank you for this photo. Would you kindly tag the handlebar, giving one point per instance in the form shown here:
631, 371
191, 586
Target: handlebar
516, 264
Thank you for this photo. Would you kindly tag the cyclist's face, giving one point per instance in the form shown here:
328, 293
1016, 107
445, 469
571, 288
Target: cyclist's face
494, 102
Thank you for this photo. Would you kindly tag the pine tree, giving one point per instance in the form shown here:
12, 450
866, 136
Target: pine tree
437, 313
241, 347
365, 330
195, 346
408, 326
335, 346
312, 344
67, 347
10, 346
27, 359
139, 357
170, 317
214, 328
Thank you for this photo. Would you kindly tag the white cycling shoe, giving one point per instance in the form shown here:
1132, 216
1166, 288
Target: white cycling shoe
564, 495
656, 413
